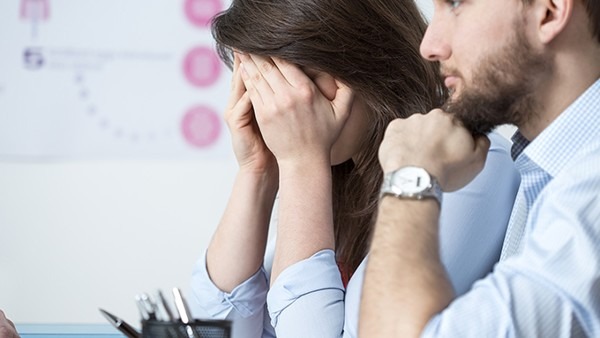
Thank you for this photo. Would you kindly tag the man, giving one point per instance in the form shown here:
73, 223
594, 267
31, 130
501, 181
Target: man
535, 64
7, 328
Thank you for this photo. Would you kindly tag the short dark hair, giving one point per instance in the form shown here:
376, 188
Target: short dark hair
593, 9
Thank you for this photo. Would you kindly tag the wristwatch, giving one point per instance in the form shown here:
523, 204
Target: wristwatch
411, 183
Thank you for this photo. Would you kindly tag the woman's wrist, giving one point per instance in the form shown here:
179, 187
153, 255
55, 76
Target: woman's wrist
306, 165
267, 179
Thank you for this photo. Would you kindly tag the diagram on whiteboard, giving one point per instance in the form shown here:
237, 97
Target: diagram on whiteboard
111, 79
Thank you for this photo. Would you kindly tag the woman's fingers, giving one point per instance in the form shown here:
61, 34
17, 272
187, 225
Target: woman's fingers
253, 76
290, 73
237, 85
240, 113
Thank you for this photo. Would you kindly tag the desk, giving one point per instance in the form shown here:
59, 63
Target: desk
68, 330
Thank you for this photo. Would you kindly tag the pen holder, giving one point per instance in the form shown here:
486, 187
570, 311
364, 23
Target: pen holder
195, 329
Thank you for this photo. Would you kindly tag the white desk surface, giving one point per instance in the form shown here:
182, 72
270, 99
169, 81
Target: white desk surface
68, 330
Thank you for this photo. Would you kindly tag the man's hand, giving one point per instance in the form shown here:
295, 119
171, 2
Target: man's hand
437, 143
7, 328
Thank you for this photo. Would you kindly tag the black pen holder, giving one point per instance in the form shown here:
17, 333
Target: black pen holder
195, 329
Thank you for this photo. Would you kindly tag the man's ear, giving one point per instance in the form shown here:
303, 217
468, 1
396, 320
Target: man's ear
552, 16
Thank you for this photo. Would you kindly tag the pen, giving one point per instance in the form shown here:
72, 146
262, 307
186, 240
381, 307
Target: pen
121, 325
141, 307
184, 312
162, 304
181, 305
149, 305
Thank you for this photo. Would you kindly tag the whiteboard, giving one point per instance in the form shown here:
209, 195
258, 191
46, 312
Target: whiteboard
110, 79
115, 164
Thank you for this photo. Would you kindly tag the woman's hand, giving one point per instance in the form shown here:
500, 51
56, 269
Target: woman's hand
250, 150
237, 248
299, 125
297, 121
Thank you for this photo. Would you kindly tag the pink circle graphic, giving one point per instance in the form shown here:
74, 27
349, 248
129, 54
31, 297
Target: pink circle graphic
201, 12
201, 126
201, 67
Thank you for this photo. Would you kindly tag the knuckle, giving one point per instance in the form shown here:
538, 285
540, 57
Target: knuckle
266, 67
306, 93
286, 102
251, 91
266, 117
272, 108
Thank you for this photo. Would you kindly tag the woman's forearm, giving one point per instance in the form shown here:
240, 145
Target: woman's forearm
305, 213
237, 248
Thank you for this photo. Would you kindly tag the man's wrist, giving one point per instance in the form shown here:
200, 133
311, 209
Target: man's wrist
413, 183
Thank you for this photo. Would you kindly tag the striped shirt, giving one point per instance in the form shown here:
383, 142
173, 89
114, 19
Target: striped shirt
548, 281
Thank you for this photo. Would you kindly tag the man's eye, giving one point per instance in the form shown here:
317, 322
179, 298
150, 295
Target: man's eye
454, 4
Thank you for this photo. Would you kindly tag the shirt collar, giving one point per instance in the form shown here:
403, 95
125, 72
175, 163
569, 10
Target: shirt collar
519, 143
552, 149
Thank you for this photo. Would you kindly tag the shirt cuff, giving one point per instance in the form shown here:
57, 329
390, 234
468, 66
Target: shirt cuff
245, 299
316, 273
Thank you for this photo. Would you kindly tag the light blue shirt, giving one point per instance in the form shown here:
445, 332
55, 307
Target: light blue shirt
551, 286
308, 299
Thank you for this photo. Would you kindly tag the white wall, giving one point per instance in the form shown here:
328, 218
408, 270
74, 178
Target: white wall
75, 236
426, 7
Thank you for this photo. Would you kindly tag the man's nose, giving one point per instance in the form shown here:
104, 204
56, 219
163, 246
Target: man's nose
435, 46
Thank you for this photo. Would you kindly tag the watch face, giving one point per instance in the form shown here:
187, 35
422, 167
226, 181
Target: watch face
411, 180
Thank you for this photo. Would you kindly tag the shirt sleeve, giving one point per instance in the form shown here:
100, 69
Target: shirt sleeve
551, 288
473, 220
352, 300
244, 306
471, 229
307, 299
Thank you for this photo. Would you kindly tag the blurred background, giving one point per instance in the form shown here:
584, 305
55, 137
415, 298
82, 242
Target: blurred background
115, 163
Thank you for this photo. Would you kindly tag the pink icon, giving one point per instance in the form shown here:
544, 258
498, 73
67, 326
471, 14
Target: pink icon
35, 10
201, 126
200, 12
201, 67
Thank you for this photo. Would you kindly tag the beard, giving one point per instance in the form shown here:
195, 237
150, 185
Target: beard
502, 89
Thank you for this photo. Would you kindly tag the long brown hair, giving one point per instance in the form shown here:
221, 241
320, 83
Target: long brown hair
373, 47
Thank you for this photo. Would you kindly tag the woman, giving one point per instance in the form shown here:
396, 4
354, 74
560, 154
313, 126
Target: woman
315, 83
